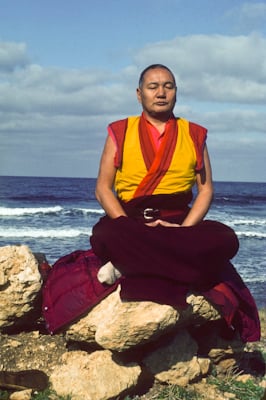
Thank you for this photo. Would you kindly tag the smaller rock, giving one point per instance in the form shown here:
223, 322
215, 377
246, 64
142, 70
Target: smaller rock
227, 366
244, 378
229, 395
21, 395
202, 310
177, 362
95, 376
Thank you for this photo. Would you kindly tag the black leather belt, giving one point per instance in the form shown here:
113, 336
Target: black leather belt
151, 214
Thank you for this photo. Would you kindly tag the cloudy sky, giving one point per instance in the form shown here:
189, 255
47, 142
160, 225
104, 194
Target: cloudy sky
68, 68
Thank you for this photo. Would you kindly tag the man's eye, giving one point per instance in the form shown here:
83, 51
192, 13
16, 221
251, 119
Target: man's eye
152, 86
169, 86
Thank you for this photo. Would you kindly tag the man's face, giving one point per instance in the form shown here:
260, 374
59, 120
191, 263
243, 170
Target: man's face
157, 93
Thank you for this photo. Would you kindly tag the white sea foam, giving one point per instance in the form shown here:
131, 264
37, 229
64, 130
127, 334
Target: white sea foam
90, 210
43, 233
244, 222
257, 279
23, 211
12, 212
255, 234
250, 221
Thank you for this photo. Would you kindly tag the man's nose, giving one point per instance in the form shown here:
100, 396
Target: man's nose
161, 91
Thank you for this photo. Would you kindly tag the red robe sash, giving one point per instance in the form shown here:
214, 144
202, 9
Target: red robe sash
158, 162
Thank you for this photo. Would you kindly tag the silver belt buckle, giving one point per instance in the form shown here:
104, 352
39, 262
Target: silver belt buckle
146, 214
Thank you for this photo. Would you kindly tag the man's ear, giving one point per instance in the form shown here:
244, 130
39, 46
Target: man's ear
138, 91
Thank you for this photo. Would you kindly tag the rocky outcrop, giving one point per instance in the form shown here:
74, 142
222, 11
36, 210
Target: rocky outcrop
117, 345
20, 283
119, 326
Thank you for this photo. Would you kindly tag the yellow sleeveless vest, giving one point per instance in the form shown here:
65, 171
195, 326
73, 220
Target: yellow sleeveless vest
180, 176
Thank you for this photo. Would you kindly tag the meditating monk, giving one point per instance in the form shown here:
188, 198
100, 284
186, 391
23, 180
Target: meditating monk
154, 233
153, 161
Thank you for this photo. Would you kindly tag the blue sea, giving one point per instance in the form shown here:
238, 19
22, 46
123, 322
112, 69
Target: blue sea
55, 216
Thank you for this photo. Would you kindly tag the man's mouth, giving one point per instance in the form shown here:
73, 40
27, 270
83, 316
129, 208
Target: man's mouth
161, 103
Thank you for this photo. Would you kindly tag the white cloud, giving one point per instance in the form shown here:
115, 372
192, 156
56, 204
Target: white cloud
215, 67
12, 55
235, 121
61, 91
64, 112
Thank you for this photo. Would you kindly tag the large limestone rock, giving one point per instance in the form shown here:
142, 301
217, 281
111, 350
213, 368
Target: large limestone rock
127, 324
177, 362
95, 376
120, 325
20, 282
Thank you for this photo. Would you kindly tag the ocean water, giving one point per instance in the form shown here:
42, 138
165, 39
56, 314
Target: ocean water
55, 216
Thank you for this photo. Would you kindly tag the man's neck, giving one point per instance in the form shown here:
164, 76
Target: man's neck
159, 121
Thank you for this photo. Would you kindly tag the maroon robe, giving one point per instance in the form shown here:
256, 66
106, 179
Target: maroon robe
163, 264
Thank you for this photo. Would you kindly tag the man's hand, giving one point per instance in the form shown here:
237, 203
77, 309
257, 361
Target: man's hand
163, 223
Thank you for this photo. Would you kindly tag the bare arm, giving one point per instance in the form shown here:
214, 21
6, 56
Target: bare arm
202, 201
204, 196
104, 186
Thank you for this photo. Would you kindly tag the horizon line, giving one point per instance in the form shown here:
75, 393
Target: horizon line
95, 177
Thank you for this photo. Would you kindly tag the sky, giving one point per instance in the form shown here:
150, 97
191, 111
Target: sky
69, 68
